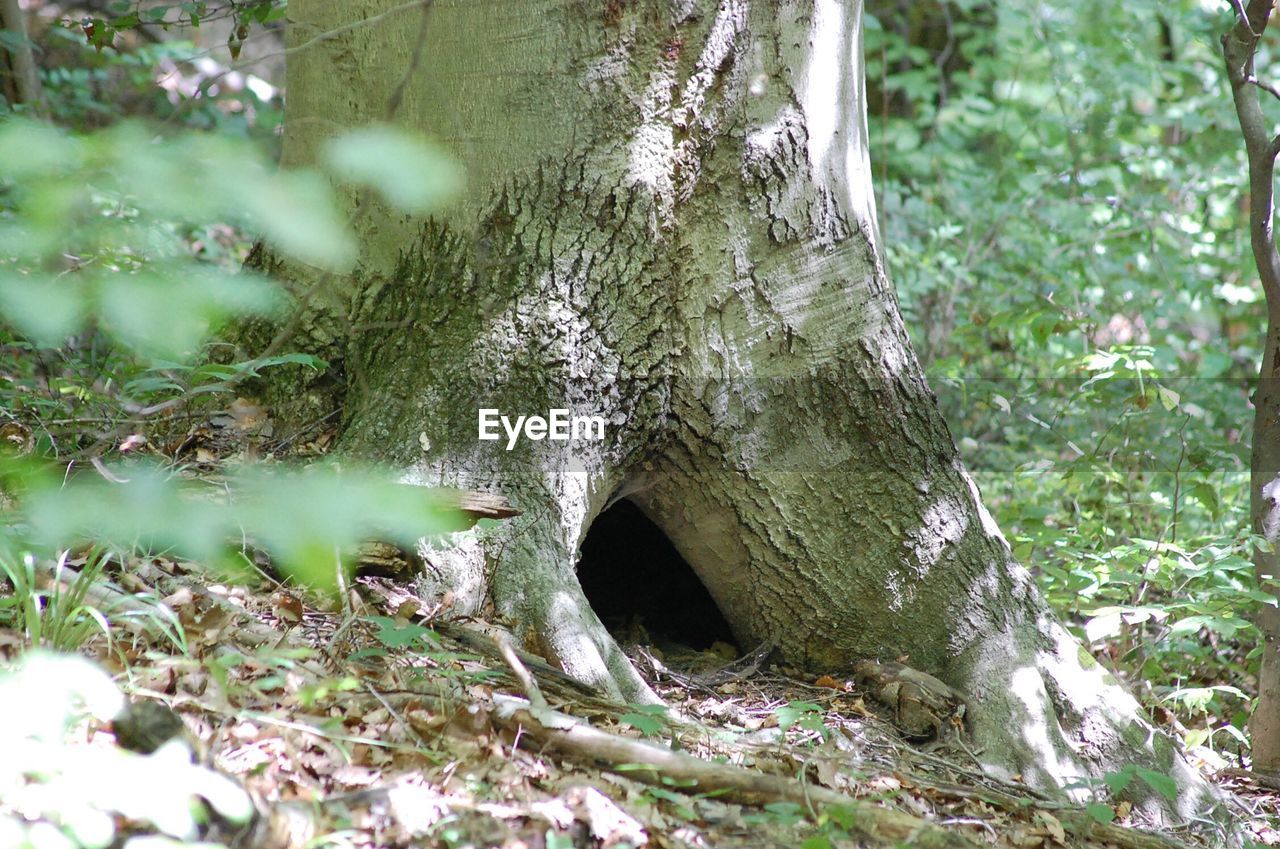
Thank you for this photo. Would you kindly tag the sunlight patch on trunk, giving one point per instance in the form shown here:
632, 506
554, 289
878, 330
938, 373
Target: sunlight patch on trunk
944, 525
821, 95
1028, 687
857, 159
652, 152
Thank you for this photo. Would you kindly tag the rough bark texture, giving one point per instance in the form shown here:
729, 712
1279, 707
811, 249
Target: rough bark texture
669, 222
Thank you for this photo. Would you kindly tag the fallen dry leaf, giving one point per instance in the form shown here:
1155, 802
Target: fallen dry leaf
287, 608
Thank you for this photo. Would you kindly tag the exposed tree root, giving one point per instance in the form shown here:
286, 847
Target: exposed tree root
652, 764
659, 765
1074, 820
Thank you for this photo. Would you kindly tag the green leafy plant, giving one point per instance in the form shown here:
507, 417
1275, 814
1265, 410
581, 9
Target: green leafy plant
1100, 812
777, 814
649, 720
310, 520
95, 250
117, 203
1161, 783
1075, 273
396, 634
60, 617
1120, 781
806, 716
681, 803
835, 826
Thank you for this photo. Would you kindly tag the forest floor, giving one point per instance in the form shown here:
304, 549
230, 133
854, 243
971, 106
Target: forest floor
365, 727
376, 725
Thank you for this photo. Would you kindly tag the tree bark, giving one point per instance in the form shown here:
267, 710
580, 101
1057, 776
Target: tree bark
669, 223
26, 74
1239, 46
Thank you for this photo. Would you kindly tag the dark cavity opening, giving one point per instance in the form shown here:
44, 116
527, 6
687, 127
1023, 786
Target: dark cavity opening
632, 574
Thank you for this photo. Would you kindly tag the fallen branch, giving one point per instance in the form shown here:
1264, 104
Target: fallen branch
661, 766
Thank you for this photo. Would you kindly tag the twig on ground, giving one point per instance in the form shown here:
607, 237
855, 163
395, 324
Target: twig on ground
523, 677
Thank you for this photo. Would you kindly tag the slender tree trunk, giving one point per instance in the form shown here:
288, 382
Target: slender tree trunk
1239, 46
669, 223
26, 74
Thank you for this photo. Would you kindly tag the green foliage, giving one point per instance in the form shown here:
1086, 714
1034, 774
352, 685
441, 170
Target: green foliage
806, 716
649, 720
309, 520
394, 634
777, 814
123, 60
128, 14
54, 608
58, 618
835, 826
409, 173
1120, 781
1064, 206
94, 248
399, 634
1100, 813
1159, 782
57, 793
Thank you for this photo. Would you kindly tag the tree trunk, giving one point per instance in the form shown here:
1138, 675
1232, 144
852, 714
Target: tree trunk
24, 72
669, 223
1239, 46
